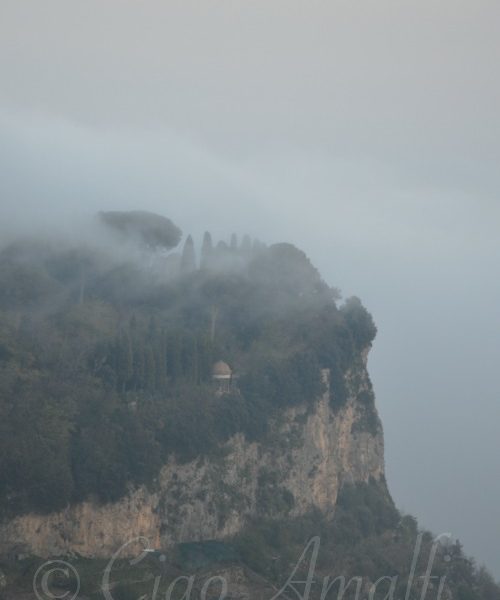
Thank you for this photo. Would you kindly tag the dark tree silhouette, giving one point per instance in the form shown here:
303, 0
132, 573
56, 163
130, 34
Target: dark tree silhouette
233, 245
148, 229
246, 245
188, 260
206, 251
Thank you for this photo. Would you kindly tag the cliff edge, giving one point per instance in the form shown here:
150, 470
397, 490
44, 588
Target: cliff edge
300, 466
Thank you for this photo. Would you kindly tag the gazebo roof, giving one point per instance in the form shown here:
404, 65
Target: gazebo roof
221, 370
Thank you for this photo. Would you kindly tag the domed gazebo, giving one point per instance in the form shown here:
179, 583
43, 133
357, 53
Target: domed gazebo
222, 375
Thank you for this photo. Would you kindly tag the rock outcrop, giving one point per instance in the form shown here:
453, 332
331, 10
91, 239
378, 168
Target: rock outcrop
301, 466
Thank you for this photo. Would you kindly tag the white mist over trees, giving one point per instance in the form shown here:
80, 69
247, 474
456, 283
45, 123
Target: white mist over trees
367, 133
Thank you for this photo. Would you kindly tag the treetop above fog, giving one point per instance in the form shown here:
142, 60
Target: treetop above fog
152, 230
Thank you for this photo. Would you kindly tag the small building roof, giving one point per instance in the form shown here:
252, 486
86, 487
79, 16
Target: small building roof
221, 370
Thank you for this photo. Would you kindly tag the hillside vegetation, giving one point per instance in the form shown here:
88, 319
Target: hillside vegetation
106, 362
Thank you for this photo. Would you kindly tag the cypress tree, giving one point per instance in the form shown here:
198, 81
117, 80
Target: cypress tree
174, 356
123, 361
190, 359
205, 358
139, 366
206, 251
149, 369
188, 259
233, 245
246, 245
161, 364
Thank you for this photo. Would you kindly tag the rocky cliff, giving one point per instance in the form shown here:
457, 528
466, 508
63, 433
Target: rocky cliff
300, 467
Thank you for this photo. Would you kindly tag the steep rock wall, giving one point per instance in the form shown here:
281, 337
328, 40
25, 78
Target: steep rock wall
310, 453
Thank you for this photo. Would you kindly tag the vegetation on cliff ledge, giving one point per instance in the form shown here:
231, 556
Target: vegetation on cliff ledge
105, 361
366, 551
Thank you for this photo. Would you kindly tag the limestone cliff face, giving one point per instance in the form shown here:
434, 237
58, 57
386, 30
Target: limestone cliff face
312, 451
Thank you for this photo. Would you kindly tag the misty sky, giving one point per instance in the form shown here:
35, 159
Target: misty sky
366, 132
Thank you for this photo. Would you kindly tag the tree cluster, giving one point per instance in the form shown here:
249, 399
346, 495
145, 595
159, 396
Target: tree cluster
96, 392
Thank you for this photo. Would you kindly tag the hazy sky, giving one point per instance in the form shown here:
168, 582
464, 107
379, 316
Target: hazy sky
367, 132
